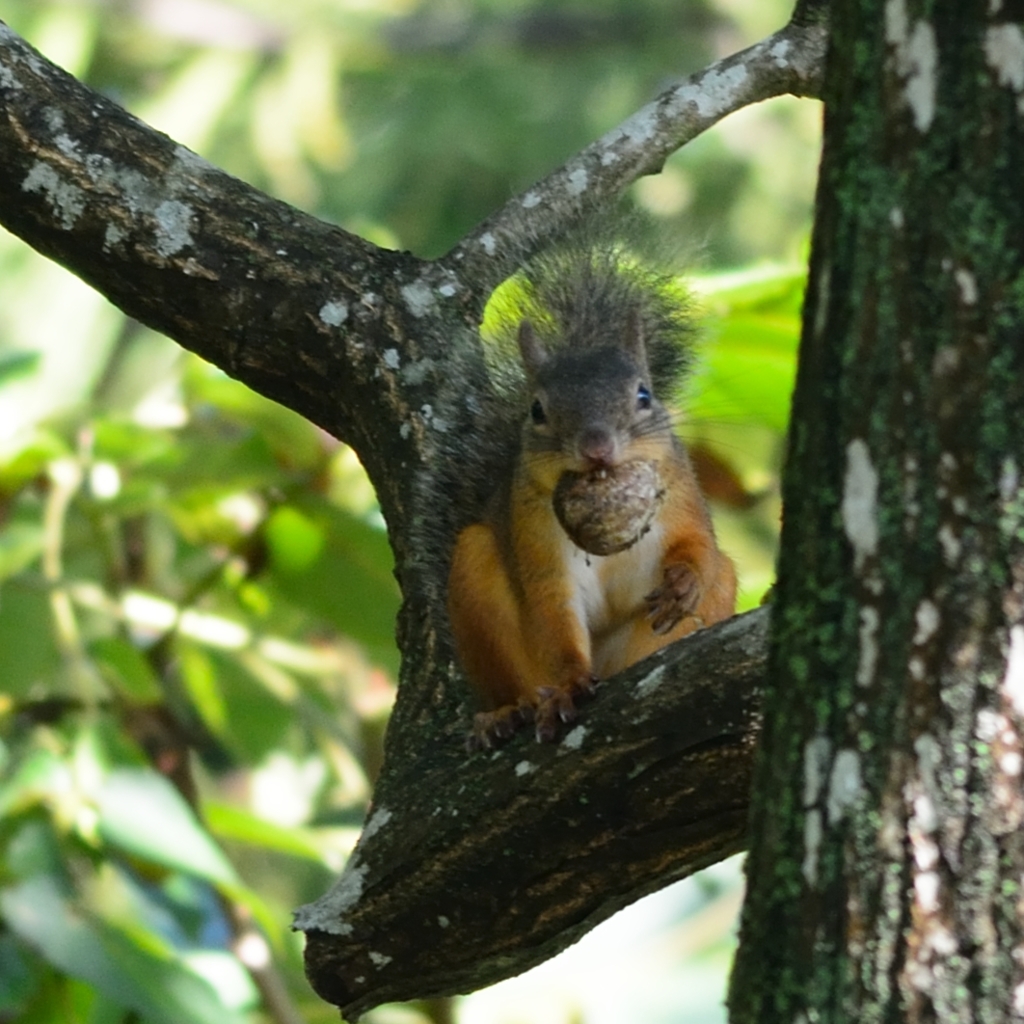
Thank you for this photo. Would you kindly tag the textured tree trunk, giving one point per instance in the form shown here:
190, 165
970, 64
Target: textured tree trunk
887, 854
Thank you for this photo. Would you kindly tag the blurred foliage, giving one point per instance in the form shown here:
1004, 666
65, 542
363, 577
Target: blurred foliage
196, 621
196, 600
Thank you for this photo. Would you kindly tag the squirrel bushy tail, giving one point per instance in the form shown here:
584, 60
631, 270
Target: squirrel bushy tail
588, 292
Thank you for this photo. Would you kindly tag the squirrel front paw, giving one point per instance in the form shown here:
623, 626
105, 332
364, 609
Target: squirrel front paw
676, 598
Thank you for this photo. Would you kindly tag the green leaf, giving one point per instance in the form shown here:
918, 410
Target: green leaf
767, 287
59, 999
203, 685
261, 912
19, 976
219, 464
243, 826
294, 540
126, 443
350, 586
143, 814
295, 442
249, 719
16, 365
231, 981
41, 777
21, 543
26, 457
146, 977
747, 376
126, 668
29, 658
748, 367
208, 514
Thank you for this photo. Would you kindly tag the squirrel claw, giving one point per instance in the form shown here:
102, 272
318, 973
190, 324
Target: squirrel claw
492, 728
559, 706
555, 707
674, 600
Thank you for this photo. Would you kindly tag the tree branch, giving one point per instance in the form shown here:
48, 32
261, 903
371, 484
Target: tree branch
488, 867
790, 61
232, 274
303, 312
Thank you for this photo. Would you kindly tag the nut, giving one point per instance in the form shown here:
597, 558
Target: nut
608, 510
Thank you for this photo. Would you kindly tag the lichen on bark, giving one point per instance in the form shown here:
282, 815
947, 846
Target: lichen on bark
902, 563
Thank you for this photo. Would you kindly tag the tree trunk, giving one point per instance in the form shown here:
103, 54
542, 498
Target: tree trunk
887, 857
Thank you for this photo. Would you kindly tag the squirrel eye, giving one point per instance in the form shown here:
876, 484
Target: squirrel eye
643, 397
537, 413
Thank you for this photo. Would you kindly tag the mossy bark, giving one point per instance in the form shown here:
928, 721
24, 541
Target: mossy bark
887, 855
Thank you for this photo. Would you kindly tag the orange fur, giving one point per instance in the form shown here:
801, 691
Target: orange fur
533, 616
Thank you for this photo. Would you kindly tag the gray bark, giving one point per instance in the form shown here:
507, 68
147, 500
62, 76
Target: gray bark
887, 853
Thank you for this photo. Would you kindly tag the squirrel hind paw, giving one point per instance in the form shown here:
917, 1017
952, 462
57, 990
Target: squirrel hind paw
493, 728
554, 707
558, 707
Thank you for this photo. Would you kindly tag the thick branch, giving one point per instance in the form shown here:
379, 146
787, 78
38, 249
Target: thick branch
790, 61
303, 312
351, 336
246, 281
478, 870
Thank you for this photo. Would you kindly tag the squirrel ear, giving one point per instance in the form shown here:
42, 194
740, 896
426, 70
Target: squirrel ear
633, 342
534, 354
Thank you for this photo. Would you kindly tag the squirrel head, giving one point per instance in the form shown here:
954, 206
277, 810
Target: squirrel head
591, 408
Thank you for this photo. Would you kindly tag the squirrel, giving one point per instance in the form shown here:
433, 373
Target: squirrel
536, 620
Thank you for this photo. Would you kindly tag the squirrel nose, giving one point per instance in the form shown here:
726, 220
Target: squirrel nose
597, 447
